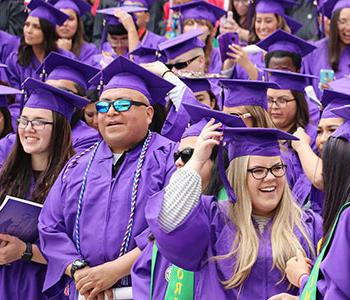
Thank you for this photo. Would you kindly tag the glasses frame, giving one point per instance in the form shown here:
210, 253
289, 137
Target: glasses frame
181, 65
33, 123
115, 103
267, 170
271, 101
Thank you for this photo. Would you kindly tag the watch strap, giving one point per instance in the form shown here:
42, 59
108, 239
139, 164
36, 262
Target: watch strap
28, 253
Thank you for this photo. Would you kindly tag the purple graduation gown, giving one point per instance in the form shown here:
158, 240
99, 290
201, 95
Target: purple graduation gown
105, 208
6, 144
24, 280
335, 267
215, 62
257, 59
207, 232
8, 43
84, 136
17, 73
87, 50
318, 59
152, 40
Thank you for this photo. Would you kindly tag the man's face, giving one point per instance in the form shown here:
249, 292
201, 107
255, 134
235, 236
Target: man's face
119, 43
123, 130
282, 63
193, 61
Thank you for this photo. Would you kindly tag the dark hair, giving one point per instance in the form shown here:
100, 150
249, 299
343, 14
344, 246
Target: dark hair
336, 165
116, 30
237, 17
16, 174
282, 24
25, 52
158, 118
78, 38
334, 42
213, 98
302, 116
7, 122
296, 58
215, 183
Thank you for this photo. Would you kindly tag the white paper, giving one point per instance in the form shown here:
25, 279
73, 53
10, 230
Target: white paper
124, 293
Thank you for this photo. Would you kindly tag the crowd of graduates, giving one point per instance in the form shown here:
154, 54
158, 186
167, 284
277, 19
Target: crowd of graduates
180, 150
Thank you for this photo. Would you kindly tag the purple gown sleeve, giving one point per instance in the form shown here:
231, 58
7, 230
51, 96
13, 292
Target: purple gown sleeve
177, 121
336, 265
56, 245
13, 71
187, 245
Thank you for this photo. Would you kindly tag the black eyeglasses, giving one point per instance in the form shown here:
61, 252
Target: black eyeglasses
120, 105
184, 154
181, 65
187, 153
36, 124
280, 101
260, 173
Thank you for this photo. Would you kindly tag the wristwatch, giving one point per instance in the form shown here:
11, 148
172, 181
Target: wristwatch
28, 253
78, 264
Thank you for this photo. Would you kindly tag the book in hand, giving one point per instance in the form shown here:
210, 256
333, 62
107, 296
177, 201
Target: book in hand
19, 217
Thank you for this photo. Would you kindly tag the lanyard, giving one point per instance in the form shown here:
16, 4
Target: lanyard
181, 282
310, 290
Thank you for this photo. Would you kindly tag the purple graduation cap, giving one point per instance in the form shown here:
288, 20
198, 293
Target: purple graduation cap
199, 10
42, 95
200, 116
278, 7
251, 141
123, 73
331, 6
6, 90
109, 17
245, 92
281, 40
81, 7
139, 3
197, 84
144, 54
56, 66
287, 80
181, 44
336, 97
44, 10
343, 131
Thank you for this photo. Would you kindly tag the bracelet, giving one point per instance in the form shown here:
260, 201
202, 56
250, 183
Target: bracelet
301, 277
167, 71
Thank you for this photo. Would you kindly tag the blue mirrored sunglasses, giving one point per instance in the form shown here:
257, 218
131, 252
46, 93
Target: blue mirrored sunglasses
120, 105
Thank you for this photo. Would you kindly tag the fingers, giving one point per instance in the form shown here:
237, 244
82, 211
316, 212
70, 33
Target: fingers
6, 237
109, 294
87, 287
96, 293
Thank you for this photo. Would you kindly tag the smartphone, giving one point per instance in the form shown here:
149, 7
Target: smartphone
224, 41
326, 75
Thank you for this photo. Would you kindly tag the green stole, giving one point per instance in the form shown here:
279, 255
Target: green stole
310, 289
181, 282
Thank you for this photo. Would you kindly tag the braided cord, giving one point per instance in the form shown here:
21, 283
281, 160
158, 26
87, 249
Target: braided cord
135, 185
81, 195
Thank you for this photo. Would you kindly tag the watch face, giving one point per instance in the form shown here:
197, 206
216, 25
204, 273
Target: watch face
79, 263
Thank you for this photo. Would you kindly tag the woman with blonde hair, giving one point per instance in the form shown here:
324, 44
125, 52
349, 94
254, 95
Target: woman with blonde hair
240, 248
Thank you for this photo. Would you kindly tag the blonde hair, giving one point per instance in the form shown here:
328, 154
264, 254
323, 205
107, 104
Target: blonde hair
284, 242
